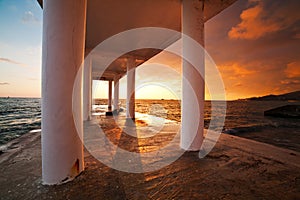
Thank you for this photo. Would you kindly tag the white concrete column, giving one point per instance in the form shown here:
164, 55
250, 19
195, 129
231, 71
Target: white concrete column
116, 92
63, 54
109, 94
87, 89
130, 100
192, 83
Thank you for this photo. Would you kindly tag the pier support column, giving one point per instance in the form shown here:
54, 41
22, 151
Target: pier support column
87, 89
116, 93
63, 53
109, 94
130, 100
192, 125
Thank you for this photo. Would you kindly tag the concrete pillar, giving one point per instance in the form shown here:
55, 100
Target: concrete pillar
87, 89
192, 83
130, 100
116, 92
63, 54
109, 94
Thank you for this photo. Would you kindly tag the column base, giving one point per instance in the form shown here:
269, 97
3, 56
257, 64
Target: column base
109, 113
116, 112
89, 118
130, 122
192, 147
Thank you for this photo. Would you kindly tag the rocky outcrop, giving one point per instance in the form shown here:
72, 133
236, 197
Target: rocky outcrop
288, 111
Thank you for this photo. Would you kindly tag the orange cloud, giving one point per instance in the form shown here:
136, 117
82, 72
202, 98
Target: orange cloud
259, 21
235, 71
252, 26
238, 85
289, 82
293, 70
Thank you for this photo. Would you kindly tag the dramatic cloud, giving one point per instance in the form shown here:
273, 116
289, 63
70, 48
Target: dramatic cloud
257, 64
10, 61
235, 71
29, 17
4, 83
262, 19
238, 85
293, 70
290, 82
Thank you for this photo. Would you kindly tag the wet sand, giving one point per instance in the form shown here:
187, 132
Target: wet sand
237, 168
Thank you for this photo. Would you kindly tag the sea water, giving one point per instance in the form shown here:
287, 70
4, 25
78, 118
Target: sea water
243, 118
18, 116
240, 115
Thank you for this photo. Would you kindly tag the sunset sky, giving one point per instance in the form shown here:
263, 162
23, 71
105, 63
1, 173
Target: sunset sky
255, 44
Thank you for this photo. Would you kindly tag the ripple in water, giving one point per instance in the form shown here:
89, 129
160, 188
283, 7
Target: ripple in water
18, 116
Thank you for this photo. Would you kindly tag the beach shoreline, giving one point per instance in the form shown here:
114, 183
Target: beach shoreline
244, 118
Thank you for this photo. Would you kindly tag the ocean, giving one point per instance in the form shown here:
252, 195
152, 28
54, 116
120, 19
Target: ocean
18, 116
243, 118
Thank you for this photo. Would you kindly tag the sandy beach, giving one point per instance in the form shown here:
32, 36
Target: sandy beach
237, 168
